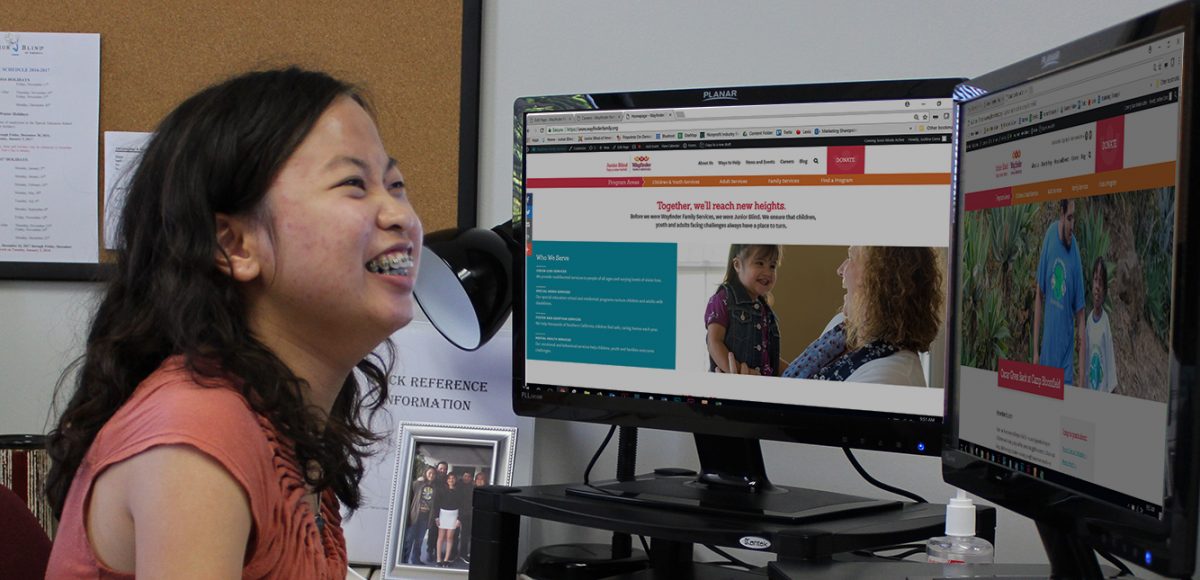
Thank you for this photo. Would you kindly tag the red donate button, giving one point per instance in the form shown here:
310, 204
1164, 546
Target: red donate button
847, 159
1030, 378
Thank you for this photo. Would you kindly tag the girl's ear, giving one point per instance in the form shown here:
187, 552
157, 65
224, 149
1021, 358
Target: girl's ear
737, 265
239, 249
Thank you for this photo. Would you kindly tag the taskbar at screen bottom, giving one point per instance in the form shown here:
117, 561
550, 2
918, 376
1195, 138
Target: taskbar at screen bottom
1039, 471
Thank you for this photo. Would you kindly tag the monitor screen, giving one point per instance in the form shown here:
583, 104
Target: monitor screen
669, 233
1067, 253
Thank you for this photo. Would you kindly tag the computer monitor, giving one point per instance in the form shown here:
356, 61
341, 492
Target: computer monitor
633, 207
1075, 311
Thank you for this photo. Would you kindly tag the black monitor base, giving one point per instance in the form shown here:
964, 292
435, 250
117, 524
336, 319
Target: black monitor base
732, 482
781, 504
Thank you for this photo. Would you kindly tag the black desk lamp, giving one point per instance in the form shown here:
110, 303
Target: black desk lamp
464, 285
465, 288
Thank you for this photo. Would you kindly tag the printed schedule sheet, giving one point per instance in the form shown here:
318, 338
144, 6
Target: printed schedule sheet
49, 151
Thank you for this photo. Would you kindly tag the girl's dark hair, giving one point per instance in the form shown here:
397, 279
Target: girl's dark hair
747, 252
218, 152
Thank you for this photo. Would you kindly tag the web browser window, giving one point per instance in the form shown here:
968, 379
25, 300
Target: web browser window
631, 217
1068, 187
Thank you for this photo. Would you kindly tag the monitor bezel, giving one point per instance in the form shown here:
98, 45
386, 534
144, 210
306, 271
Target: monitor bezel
815, 425
1101, 524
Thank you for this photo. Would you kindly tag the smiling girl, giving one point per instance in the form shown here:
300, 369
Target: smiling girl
739, 319
268, 245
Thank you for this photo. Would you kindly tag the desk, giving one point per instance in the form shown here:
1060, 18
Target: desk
850, 570
498, 510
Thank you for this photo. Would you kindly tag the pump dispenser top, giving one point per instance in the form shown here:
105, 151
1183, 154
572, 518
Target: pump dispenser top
959, 545
960, 515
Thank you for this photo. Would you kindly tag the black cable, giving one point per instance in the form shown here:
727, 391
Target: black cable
899, 547
729, 557
645, 546
910, 550
1125, 571
875, 482
870, 554
896, 558
588, 472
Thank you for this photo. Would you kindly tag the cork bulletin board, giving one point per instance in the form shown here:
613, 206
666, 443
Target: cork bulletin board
417, 62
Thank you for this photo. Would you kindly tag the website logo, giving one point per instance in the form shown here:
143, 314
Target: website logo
1051, 58
720, 95
641, 163
1013, 166
612, 166
12, 45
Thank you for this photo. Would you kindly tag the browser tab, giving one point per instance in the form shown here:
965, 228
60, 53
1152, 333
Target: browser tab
550, 118
598, 117
650, 115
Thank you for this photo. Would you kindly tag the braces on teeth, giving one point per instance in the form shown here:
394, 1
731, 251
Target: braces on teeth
394, 264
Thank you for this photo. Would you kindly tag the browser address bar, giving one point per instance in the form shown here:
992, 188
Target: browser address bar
747, 124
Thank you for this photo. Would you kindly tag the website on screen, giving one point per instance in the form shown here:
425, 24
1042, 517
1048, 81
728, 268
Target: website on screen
1069, 193
711, 253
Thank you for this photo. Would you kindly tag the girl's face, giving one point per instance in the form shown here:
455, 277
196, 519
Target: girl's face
339, 244
451, 481
480, 479
1097, 288
430, 473
851, 273
756, 272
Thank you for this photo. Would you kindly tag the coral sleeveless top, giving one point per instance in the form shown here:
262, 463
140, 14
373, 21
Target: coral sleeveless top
171, 408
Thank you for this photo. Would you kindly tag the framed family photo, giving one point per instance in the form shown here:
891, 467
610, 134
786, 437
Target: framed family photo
438, 467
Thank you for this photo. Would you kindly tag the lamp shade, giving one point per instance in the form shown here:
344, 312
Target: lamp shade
464, 285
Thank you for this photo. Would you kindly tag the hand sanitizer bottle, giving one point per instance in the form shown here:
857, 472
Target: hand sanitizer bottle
959, 545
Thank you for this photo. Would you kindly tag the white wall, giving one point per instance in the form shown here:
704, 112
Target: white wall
533, 47
42, 326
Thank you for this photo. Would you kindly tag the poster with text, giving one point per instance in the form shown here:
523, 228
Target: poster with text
432, 381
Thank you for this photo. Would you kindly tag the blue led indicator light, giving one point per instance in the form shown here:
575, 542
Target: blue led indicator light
1149, 558
921, 446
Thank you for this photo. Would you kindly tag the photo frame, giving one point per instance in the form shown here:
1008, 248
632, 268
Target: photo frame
429, 514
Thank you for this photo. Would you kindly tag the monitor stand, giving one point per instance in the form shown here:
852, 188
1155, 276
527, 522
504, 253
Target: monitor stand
1070, 558
1069, 555
733, 483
